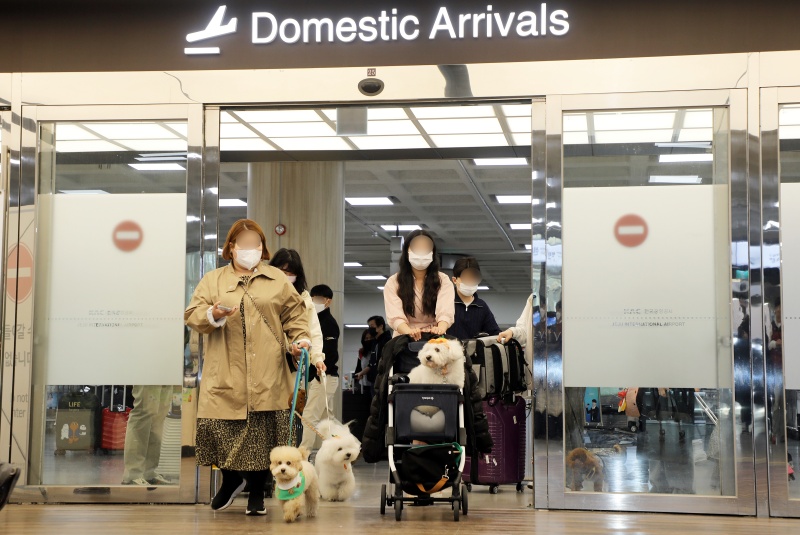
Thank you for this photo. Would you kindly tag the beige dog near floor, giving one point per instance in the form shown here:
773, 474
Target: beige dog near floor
583, 465
296, 483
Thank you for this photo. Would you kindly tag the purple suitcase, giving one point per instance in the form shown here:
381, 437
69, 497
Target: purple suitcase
506, 464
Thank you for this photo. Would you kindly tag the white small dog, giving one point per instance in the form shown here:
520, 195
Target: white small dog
295, 481
441, 361
334, 461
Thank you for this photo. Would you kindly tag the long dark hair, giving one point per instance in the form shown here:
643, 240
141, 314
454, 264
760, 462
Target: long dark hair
289, 259
405, 279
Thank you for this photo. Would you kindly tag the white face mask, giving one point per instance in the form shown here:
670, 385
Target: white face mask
248, 258
319, 307
467, 289
292, 278
420, 261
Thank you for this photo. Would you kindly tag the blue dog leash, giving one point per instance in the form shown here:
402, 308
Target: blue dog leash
302, 371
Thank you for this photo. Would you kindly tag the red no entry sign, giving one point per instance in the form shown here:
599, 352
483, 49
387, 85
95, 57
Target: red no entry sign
20, 273
631, 230
128, 236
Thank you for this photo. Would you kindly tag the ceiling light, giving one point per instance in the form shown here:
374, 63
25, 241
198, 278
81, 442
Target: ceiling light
311, 143
515, 199
685, 158
83, 191
230, 203
352, 264
452, 112
161, 158
462, 126
469, 140
372, 142
381, 288
244, 144
528, 246
685, 145
355, 326
371, 277
634, 120
192, 219
401, 228
210, 237
157, 166
523, 162
483, 287
520, 226
675, 179
369, 201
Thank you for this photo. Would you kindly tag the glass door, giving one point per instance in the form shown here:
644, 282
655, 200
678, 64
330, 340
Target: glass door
646, 258
780, 224
106, 255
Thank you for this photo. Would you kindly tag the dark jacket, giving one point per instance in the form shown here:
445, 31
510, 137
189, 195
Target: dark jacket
473, 319
330, 343
373, 444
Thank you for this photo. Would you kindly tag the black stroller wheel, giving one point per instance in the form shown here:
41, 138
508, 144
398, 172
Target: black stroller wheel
383, 499
456, 511
464, 500
398, 509
494, 489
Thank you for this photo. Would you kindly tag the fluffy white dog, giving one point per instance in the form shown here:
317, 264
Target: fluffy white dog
440, 361
334, 461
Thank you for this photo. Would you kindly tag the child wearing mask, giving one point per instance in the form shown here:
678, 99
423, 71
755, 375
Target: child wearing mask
473, 315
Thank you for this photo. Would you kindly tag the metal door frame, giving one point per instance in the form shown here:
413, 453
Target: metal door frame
550, 212
21, 392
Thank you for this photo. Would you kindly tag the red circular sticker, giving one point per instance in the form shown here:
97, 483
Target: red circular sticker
20, 273
631, 230
128, 236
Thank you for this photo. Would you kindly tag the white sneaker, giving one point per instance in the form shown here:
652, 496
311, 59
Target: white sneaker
142, 482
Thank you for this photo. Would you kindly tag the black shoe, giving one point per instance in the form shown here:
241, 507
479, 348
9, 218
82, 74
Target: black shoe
231, 487
255, 504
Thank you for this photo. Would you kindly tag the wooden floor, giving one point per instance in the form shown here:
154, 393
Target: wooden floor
341, 519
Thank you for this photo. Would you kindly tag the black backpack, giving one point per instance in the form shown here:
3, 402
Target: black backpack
500, 367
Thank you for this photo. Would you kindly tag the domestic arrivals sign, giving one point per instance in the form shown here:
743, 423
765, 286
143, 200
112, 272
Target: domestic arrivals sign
393, 24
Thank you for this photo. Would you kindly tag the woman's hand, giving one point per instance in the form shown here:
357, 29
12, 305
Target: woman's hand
415, 334
439, 329
321, 367
505, 336
218, 313
300, 345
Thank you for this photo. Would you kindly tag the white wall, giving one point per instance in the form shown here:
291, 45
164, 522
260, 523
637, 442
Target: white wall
358, 307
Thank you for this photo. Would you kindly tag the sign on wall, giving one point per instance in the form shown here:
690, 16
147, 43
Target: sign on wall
639, 303
115, 290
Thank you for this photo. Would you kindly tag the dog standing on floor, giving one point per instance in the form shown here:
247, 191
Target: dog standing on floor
295, 482
586, 466
334, 461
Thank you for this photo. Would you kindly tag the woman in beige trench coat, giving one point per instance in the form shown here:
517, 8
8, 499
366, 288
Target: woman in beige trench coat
248, 310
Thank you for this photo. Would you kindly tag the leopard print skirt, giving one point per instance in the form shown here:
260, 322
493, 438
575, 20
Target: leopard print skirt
242, 444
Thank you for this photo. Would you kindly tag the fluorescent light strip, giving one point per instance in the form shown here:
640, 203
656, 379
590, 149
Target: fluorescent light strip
483, 287
157, 166
675, 179
685, 145
514, 199
523, 162
352, 264
371, 277
520, 226
83, 192
231, 203
402, 228
685, 158
355, 326
381, 288
369, 201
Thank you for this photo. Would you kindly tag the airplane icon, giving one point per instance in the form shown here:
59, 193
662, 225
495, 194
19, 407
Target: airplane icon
215, 28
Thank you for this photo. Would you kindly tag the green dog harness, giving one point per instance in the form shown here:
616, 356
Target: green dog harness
293, 489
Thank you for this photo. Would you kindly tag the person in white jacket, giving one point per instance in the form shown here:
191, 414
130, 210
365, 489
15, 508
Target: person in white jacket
288, 261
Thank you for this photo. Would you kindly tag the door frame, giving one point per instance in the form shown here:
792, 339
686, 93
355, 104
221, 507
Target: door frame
548, 212
26, 397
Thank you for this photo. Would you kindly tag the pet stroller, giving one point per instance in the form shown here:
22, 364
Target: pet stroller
432, 414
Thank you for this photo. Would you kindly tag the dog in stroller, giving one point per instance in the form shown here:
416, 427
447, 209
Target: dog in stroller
425, 459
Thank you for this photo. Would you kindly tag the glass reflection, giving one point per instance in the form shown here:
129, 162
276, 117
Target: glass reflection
647, 264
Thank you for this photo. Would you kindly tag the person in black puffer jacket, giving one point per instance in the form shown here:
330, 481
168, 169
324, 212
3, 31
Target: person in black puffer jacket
373, 444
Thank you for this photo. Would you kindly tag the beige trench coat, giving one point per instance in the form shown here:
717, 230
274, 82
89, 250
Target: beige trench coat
234, 381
